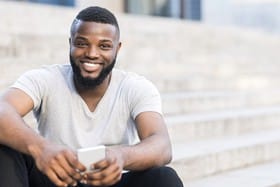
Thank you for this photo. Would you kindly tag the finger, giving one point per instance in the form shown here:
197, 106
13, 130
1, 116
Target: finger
113, 180
62, 174
105, 163
106, 175
54, 178
67, 166
74, 183
106, 181
73, 161
112, 177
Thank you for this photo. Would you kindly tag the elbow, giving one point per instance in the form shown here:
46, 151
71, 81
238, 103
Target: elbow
168, 156
169, 153
169, 159
165, 155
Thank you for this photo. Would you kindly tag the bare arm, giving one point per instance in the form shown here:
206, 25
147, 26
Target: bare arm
57, 162
153, 150
14, 104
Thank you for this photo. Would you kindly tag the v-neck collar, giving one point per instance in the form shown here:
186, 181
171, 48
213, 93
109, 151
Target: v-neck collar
82, 101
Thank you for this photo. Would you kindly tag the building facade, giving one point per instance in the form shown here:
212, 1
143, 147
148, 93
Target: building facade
182, 9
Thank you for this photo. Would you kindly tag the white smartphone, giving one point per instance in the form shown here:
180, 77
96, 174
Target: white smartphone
91, 155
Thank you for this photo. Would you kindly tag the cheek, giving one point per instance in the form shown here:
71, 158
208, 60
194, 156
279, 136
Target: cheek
72, 52
75, 52
109, 60
110, 56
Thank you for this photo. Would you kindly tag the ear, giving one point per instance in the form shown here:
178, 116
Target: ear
119, 46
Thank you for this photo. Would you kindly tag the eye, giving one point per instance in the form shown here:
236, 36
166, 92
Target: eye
105, 46
80, 44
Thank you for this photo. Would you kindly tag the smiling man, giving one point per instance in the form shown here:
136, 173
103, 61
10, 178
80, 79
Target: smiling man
84, 104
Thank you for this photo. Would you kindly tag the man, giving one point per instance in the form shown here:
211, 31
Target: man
85, 104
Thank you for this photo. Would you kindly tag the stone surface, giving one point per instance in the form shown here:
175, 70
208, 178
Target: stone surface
203, 158
263, 175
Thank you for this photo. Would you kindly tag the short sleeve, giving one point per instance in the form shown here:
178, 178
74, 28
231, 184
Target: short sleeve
33, 84
143, 97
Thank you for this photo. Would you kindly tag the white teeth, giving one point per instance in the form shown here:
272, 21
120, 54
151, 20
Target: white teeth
91, 65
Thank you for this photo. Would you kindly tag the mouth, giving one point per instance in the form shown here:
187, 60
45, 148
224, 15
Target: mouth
90, 66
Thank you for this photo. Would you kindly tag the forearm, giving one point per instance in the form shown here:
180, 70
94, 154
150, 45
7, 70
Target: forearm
15, 133
150, 152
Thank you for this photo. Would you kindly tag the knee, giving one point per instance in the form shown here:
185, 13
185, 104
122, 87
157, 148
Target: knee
6, 151
167, 176
8, 155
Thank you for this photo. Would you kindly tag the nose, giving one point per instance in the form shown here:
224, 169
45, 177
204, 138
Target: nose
93, 52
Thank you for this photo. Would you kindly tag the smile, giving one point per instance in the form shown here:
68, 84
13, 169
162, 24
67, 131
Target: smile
91, 67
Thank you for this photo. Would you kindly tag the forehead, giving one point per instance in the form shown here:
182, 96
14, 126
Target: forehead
90, 29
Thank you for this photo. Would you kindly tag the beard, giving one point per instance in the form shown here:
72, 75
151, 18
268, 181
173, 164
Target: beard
90, 83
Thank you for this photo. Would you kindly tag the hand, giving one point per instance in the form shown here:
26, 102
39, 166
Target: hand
60, 164
108, 171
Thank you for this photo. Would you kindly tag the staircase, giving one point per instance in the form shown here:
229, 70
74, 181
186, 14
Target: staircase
219, 86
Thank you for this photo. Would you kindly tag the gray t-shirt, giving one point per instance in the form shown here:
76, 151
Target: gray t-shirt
64, 118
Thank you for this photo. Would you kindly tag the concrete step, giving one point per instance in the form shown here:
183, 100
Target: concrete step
204, 83
52, 46
185, 102
177, 62
24, 45
214, 56
177, 101
200, 126
176, 71
200, 41
56, 47
49, 45
262, 175
199, 159
134, 46
46, 35
189, 82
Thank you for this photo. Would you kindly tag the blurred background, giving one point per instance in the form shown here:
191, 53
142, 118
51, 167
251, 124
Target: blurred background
261, 14
215, 62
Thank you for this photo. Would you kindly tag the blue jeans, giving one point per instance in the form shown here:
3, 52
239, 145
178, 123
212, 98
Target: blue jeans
19, 170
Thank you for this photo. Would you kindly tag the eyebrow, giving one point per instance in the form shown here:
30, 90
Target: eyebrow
106, 40
84, 38
80, 38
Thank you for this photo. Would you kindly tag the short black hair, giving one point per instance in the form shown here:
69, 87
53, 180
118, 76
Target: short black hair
96, 14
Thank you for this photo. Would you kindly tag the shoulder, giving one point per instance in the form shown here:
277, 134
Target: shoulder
131, 79
58, 69
140, 93
44, 78
134, 85
48, 72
